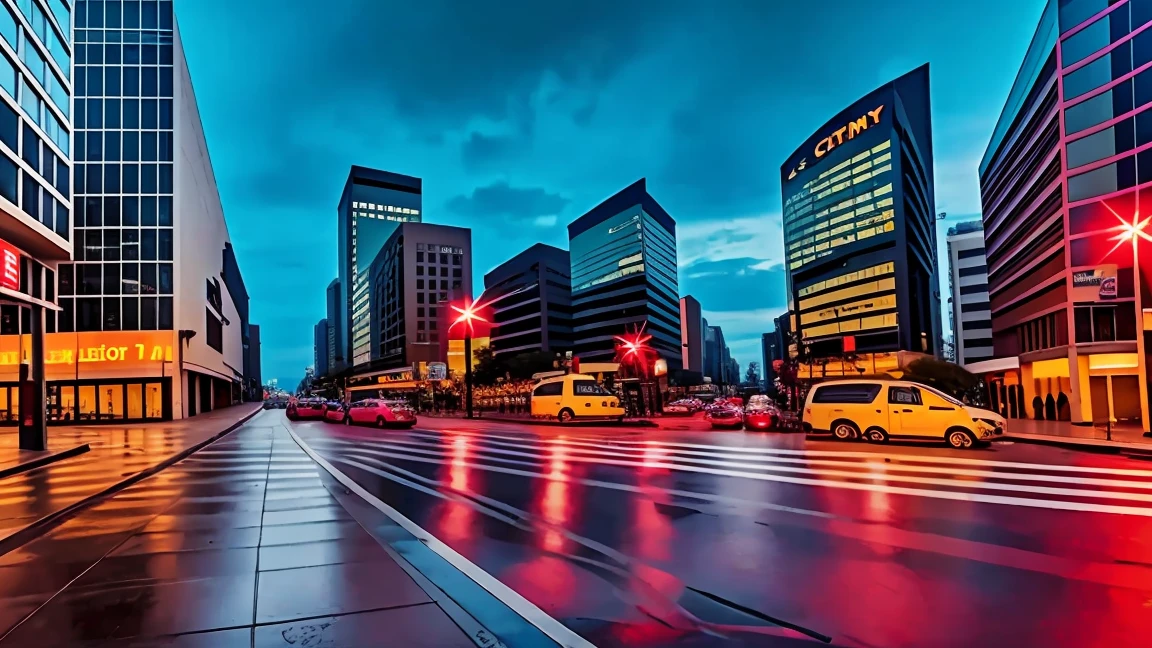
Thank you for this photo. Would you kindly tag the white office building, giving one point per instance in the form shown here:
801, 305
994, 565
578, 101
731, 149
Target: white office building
968, 279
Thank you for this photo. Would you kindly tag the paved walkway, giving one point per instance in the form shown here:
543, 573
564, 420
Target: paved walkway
238, 545
117, 453
1086, 435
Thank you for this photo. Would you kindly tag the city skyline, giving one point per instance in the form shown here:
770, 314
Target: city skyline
520, 157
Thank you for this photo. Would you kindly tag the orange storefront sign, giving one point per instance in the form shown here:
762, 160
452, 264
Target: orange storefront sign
91, 354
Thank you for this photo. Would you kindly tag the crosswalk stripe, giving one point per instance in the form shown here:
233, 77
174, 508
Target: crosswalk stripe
832, 483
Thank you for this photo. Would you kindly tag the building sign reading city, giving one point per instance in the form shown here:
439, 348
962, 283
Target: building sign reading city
9, 266
1096, 284
851, 130
841, 135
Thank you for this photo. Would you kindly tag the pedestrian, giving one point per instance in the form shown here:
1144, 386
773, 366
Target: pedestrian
1038, 408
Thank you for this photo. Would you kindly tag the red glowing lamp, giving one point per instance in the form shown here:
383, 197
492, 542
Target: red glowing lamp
632, 350
1128, 232
467, 315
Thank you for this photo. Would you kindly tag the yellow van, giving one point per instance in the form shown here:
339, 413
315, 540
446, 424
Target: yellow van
567, 398
878, 410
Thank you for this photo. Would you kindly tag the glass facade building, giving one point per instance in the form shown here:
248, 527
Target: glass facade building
531, 300
859, 227
624, 275
372, 206
1069, 159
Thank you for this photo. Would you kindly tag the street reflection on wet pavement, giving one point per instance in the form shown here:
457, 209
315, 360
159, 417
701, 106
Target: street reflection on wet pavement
665, 537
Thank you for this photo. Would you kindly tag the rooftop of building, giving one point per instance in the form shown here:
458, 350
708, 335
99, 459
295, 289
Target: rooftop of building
966, 227
368, 177
525, 259
628, 197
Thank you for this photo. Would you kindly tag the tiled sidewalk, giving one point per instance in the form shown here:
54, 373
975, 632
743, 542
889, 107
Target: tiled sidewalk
117, 453
237, 545
1124, 437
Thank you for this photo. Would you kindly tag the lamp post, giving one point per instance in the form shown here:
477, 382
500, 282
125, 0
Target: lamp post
466, 316
1132, 232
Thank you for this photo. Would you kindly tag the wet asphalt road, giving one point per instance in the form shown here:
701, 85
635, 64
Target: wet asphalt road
642, 537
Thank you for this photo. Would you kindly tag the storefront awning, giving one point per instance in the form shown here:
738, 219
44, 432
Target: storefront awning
994, 365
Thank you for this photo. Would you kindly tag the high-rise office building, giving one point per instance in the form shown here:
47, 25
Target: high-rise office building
320, 348
414, 272
35, 174
154, 291
624, 276
373, 204
968, 280
337, 332
691, 335
1066, 165
716, 355
859, 231
530, 296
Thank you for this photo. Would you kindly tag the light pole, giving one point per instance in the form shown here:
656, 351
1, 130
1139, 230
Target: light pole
1132, 232
466, 316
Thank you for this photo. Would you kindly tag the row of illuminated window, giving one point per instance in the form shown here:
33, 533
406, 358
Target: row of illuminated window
611, 276
1121, 137
868, 323
384, 208
1122, 59
866, 288
124, 146
825, 178
123, 244
127, 14
859, 275
858, 172
123, 278
122, 211
856, 205
826, 248
398, 219
114, 314
109, 178
876, 224
835, 196
857, 309
604, 266
456, 258
442, 249
126, 81
861, 217
802, 214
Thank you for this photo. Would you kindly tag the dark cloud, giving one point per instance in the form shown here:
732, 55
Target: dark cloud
481, 151
500, 200
735, 285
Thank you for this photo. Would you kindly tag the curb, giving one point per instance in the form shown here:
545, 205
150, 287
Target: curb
33, 464
1071, 444
56, 518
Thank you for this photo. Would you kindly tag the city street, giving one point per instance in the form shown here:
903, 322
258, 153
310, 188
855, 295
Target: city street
697, 538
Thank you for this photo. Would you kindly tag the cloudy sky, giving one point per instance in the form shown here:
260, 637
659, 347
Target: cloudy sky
521, 115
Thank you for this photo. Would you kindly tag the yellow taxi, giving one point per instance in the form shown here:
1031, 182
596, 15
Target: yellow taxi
572, 396
878, 410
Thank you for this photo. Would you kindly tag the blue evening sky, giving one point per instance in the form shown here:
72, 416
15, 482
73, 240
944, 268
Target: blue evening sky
521, 115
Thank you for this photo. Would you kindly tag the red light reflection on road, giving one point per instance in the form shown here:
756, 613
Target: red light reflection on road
654, 456
457, 518
459, 470
554, 506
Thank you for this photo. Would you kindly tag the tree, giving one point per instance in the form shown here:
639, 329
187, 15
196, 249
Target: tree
948, 377
523, 365
752, 376
489, 366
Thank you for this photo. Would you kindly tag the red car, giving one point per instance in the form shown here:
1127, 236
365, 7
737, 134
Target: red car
335, 412
761, 414
725, 417
380, 413
305, 408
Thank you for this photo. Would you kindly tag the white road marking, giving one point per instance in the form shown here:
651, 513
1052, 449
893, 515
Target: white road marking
552, 628
875, 488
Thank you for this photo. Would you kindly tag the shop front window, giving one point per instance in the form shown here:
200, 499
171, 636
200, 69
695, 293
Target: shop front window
86, 408
154, 401
67, 404
111, 402
135, 401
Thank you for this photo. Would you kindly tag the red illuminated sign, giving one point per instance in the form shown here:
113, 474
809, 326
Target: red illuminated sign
849, 343
9, 266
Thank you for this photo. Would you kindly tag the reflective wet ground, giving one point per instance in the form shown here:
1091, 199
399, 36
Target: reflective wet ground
689, 538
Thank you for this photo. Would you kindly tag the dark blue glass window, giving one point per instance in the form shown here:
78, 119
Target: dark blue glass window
131, 14
131, 210
112, 211
148, 183
1143, 87
112, 81
9, 127
148, 146
94, 179
95, 147
112, 53
1141, 48
149, 84
165, 209
131, 178
165, 82
31, 150
131, 82
95, 113
131, 113
112, 113
165, 147
148, 112
165, 178
148, 210
1088, 78
131, 146
112, 146
149, 18
1084, 43
165, 113
8, 179
112, 14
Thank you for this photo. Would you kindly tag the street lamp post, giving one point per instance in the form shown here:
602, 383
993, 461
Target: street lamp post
466, 316
1132, 233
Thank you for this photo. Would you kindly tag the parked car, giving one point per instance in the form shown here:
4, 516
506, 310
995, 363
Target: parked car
682, 406
305, 408
381, 413
878, 410
761, 416
566, 398
335, 412
725, 417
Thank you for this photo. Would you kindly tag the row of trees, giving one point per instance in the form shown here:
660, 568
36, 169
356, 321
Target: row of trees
491, 367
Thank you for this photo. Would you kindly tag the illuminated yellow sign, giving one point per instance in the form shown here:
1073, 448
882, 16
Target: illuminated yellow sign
94, 351
849, 131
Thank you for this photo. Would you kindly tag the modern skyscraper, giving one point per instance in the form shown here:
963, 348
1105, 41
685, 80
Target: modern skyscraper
691, 335
320, 347
337, 332
859, 230
414, 272
373, 204
531, 300
35, 174
154, 275
1066, 165
716, 355
624, 275
968, 280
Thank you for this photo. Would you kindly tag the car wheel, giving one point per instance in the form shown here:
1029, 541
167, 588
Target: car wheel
845, 430
379, 421
960, 439
566, 415
876, 435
